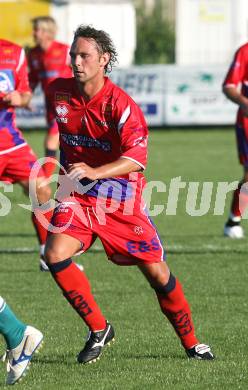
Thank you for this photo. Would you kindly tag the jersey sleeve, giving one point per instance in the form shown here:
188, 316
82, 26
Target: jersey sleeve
22, 83
237, 70
134, 133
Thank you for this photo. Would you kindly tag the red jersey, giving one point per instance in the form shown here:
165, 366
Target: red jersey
13, 76
238, 75
99, 131
47, 65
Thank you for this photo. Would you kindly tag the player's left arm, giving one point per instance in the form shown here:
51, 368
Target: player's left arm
119, 167
17, 99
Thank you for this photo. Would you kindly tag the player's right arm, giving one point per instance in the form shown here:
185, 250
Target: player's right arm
21, 95
17, 99
237, 97
236, 76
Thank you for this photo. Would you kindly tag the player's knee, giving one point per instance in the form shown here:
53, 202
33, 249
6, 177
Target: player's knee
44, 193
165, 288
53, 254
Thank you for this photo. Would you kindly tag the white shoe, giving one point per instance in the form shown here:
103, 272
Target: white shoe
18, 359
234, 231
80, 266
44, 267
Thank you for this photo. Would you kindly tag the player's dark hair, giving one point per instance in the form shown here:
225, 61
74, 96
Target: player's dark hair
103, 42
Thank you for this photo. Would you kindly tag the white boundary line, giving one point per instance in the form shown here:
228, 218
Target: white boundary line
168, 249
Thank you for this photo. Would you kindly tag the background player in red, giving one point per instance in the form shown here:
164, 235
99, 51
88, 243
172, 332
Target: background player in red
103, 142
235, 87
48, 60
16, 157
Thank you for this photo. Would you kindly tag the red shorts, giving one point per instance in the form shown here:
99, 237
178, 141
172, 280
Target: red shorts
127, 239
16, 166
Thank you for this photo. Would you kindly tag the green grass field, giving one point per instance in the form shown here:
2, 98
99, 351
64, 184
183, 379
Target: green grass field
146, 355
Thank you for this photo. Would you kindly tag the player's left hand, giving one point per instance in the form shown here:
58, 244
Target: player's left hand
13, 98
80, 170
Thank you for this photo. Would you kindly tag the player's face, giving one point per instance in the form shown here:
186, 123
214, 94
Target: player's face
40, 35
87, 63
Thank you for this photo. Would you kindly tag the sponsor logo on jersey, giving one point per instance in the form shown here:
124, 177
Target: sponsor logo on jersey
109, 124
86, 141
143, 246
8, 51
7, 83
8, 61
62, 97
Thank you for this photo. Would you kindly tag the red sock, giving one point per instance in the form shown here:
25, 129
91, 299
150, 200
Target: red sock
76, 289
240, 200
41, 221
49, 166
176, 308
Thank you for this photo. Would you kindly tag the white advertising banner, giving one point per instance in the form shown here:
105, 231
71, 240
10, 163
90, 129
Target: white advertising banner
145, 85
193, 96
168, 95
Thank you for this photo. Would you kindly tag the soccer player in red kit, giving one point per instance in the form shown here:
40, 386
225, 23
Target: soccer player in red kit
235, 87
16, 156
103, 144
48, 60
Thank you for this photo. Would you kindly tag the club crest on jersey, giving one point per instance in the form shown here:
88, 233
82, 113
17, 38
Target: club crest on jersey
62, 97
6, 81
61, 111
56, 53
7, 51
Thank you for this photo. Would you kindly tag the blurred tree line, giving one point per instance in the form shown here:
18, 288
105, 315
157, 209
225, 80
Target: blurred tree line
155, 35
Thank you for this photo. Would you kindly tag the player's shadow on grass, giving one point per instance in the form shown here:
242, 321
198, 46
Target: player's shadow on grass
66, 359
153, 356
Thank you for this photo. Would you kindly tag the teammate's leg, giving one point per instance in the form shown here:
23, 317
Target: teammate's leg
238, 207
51, 147
22, 341
40, 218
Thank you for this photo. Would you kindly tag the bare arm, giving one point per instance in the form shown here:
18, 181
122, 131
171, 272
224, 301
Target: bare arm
17, 99
233, 94
122, 166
